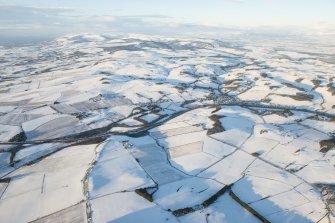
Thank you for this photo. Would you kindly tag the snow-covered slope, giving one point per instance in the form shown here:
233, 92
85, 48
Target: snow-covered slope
148, 129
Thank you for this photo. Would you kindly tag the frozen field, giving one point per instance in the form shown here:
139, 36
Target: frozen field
95, 128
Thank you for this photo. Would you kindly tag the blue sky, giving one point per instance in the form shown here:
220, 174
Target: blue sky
24, 17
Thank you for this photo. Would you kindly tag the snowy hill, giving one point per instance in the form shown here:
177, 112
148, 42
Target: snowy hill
138, 128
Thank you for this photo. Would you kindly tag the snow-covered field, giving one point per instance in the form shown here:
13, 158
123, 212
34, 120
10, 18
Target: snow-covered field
96, 128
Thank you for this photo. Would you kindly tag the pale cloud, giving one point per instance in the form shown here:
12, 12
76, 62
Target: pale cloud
323, 28
18, 16
105, 18
42, 21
